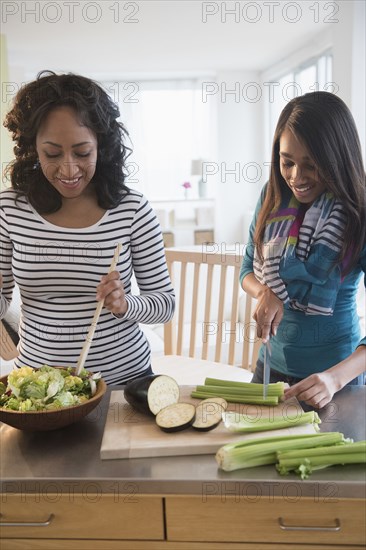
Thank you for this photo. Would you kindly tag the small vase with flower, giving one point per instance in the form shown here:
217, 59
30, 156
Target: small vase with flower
187, 186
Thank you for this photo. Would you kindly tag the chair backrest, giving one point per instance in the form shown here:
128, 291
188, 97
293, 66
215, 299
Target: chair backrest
208, 291
8, 349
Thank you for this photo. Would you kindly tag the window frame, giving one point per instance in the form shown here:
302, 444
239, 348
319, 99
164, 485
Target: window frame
295, 71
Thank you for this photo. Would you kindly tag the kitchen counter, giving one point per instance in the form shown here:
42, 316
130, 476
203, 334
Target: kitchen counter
57, 493
69, 460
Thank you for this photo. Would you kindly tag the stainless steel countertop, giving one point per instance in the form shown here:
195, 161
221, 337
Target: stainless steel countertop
68, 460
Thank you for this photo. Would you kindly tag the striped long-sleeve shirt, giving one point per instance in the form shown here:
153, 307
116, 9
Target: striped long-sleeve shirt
58, 269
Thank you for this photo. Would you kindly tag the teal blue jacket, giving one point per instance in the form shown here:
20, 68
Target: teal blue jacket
305, 344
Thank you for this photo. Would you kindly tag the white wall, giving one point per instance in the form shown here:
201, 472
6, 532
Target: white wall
6, 151
239, 123
358, 103
349, 61
240, 152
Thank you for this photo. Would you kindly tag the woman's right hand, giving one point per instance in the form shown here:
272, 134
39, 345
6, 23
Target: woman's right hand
268, 313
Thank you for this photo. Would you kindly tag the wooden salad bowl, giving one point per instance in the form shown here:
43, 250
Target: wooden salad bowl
53, 419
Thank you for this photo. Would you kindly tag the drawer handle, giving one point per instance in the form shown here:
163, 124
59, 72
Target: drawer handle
27, 523
335, 527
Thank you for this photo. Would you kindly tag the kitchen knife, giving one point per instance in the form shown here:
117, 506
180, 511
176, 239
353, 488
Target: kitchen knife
267, 367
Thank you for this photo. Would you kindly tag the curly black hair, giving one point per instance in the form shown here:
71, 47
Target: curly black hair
96, 110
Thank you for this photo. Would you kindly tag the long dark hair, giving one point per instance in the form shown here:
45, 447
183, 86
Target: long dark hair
324, 124
96, 110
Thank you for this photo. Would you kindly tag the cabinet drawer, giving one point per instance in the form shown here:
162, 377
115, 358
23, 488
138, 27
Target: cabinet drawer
81, 516
232, 519
79, 544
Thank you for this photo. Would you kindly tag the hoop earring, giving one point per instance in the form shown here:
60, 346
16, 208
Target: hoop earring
36, 165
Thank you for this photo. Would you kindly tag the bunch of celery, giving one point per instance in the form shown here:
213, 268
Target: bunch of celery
257, 452
236, 422
303, 462
240, 392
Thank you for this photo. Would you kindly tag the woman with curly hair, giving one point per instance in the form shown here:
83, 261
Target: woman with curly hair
307, 251
61, 219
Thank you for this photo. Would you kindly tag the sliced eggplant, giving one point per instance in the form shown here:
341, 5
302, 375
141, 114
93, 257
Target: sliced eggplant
209, 413
149, 394
176, 417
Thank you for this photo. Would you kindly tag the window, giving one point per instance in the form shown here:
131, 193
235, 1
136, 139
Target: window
311, 76
169, 126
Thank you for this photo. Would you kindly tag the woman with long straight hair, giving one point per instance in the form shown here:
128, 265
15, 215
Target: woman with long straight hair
307, 251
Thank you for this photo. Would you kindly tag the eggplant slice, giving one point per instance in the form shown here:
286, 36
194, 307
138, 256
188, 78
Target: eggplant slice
209, 413
176, 417
150, 394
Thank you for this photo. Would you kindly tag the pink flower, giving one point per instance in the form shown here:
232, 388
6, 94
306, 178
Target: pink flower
186, 185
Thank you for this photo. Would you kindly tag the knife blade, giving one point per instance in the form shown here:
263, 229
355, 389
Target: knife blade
267, 367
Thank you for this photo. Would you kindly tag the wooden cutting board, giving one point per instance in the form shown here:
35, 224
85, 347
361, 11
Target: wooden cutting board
129, 434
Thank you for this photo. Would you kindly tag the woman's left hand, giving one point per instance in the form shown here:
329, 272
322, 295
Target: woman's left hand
111, 289
316, 390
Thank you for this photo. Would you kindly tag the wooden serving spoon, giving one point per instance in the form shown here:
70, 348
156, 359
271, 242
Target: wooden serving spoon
89, 338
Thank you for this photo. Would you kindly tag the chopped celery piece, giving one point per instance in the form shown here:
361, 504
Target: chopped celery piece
236, 422
257, 452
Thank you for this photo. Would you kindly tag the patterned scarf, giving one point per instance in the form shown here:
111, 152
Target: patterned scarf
300, 254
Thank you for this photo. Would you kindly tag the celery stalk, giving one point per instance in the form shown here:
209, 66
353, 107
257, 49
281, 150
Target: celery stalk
244, 423
278, 388
240, 392
251, 390
257, 452
249, 399
303, 462
348, 448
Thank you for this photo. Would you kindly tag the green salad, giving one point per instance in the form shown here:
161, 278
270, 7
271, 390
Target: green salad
46, 388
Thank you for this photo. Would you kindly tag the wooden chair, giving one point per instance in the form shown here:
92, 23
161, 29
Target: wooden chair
182, 359
8, 349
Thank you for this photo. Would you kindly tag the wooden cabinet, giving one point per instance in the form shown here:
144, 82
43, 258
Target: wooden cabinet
138, 522
204, 236
186, 222
272, 520
68, 516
